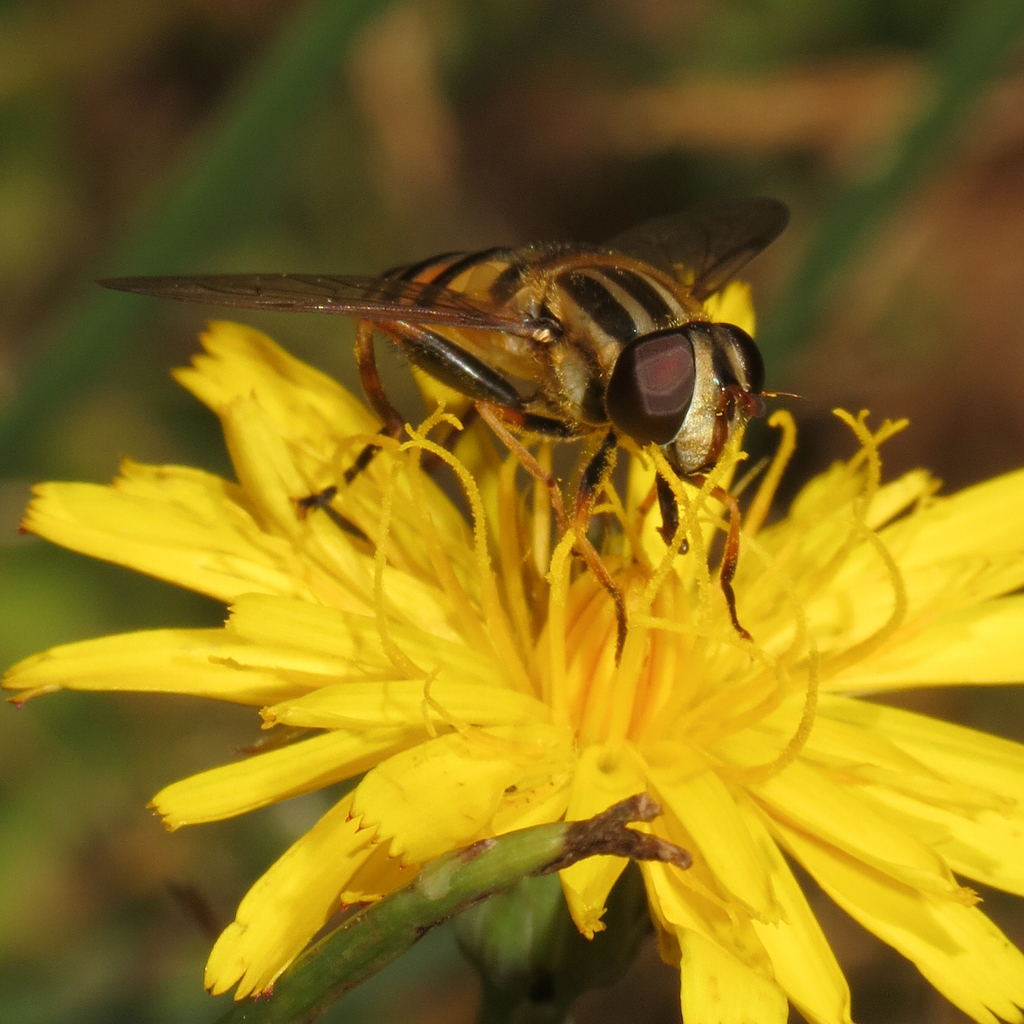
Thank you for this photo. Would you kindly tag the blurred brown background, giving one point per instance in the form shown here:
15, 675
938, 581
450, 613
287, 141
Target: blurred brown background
202, 135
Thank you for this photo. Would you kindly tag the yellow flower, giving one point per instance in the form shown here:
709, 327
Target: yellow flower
441, 641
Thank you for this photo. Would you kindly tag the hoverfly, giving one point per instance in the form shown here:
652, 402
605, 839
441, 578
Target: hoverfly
561, 341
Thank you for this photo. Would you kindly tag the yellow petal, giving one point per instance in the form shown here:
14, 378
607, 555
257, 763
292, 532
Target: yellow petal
980, 843
805, 798
717, 988
732, 305
805, 966
972, 812
320, 553
982, 521
850, 753
602, 778
980, 644
288, 905
351, 643
442, 794
411, 702
527, 806
378, 875
897, 496
315, 418
956, 947
265, 778
953, 751
702, 803
954, 552
242, 362
689, 901
265, 467
191, 661
951, 553
190, 530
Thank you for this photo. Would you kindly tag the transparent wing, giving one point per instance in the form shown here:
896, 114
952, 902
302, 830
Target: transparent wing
712, 241
370, 298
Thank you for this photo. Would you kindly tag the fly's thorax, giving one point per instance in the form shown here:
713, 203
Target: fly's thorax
602, 302
577, 384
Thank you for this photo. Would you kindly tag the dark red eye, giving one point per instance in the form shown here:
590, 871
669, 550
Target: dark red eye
651, 386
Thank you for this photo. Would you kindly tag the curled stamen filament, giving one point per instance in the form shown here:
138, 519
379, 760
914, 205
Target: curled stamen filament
395, 654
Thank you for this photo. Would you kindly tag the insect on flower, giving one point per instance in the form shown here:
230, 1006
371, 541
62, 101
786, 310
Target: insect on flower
560, 341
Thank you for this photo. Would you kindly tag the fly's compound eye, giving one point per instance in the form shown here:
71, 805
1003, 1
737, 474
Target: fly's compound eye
651, 386
744, 356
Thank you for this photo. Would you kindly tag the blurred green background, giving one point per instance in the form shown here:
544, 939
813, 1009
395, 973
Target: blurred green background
203, 135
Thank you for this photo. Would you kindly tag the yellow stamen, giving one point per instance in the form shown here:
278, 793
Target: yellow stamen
633, 549
869, 449
616, 708
558, 597
868, 646
397, 657
542, 514
511, 554
791, 751
468, 615
759, 507
439, 416
590, 636
494, 614
430, 703
861, 531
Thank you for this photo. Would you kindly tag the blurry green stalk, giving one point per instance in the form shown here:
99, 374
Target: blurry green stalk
210, 190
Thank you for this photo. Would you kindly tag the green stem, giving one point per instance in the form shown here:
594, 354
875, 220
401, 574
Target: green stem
376, 935
975, 49
210, 189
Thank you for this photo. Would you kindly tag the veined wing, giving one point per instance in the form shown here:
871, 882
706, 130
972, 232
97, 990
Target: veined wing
379, 299
711, 241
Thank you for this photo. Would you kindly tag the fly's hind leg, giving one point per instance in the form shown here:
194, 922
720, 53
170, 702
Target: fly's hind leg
378, 400
669, 513
373, 389
731, 555
393, 423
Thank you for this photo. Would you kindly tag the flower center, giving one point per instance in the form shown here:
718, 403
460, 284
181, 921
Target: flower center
685, 674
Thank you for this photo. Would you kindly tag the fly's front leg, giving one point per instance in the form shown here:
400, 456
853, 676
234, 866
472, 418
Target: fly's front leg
731, 555
590, 480
322, 500
669, 509
661, 491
